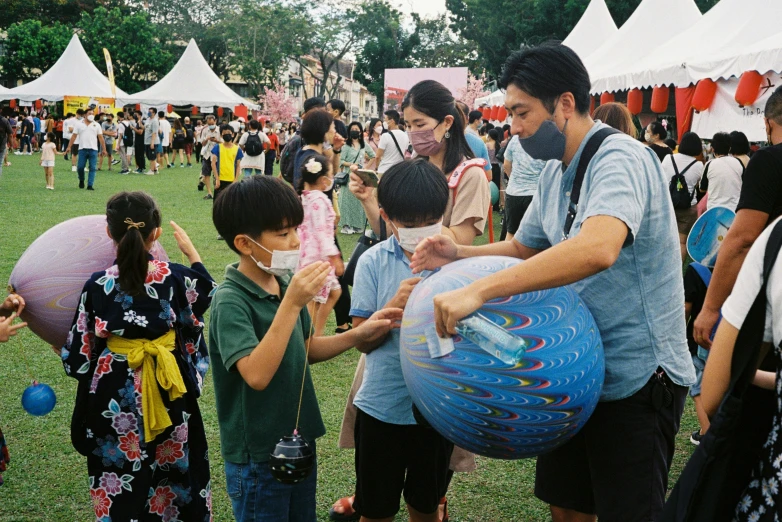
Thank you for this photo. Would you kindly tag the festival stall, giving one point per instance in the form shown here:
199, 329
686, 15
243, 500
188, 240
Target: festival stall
73, 79
191, 82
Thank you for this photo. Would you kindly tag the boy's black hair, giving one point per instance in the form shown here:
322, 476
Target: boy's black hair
720, 143
312, 177
475, 116
337, 105
546, 72
253, 205
739, 144
80, 112
690, 144
316, 102
413, 191
671, 143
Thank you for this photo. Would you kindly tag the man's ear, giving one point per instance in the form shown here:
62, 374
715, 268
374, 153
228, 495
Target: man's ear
567, 104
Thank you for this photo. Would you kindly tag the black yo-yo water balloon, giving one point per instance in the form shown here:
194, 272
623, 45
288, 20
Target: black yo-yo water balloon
292, 459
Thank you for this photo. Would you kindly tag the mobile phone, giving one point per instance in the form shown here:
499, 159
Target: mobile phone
369, 177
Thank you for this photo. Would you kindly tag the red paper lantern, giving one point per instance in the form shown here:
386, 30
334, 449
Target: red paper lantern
138, 106
12, 104
503, 114
194, 110
660, 96
241, 111
606, 97
749, 88
704, 95
635, 101
591, 105
169, 108
486, 111
495, 111
38, 105
220, 112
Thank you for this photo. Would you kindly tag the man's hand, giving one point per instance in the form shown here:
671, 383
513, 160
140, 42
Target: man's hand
450, 307
704, 326
307, 283
403, 294
433, 252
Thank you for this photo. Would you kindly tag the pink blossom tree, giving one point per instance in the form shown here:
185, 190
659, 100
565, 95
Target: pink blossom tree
473, 90
278, 104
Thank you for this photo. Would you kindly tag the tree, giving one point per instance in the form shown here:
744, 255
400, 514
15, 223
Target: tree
31, 49
261, 40
277, 104
440, 47
138, 53
474, 89
66, 12
387, 44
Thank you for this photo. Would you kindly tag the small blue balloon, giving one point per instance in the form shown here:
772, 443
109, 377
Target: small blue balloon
38, 399
495, 193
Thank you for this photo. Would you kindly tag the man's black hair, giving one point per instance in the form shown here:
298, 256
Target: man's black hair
774, 106
413, 192
739, 144
338, 105
316, 102
315, 126
253, 205
546, 72
393, 115
80, 112
161, 114
254, 124
720, 143
152, 109
475, 116
690, 144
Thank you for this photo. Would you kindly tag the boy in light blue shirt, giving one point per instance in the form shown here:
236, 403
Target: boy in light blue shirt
394, 454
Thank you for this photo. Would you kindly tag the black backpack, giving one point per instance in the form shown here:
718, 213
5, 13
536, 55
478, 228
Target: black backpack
127, 136
680, 194
287, 158
253, 147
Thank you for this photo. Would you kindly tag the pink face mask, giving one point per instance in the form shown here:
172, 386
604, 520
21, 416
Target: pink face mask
425, 143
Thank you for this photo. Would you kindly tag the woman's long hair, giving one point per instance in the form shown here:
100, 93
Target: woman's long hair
436, 101
371, 130
360, 133
132, 217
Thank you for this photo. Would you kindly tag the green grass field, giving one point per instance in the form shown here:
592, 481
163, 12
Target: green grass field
47, 479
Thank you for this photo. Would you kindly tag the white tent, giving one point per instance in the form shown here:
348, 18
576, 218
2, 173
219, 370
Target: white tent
495, 98
190, 82
733, 37
594, 27
74, 74
652, 22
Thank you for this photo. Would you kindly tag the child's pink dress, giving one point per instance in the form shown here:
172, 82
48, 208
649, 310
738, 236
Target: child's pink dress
316, 234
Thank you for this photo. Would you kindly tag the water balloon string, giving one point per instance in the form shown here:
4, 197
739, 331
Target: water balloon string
306, 363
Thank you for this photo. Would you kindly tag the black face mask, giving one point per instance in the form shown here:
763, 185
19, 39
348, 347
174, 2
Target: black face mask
355, 134
228, 137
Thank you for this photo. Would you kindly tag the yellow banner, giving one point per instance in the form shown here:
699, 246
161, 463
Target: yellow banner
71, 103
110, 71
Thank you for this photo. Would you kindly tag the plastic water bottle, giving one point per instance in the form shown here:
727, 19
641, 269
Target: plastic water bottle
492, 338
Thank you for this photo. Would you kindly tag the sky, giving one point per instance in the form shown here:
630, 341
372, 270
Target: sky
426, 8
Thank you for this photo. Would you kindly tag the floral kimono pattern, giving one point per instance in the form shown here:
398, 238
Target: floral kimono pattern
316, 234
166, 479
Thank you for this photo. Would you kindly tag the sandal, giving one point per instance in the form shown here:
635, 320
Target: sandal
343, 330
348, 513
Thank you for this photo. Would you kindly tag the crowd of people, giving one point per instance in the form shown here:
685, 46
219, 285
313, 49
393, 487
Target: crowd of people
416, 185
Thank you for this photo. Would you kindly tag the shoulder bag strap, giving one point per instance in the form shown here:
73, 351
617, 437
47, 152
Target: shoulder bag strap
750, 337
586, 156
396, 143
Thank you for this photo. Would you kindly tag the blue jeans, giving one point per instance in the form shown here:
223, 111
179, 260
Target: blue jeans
25, 142
252, 171
256, 496
84, 155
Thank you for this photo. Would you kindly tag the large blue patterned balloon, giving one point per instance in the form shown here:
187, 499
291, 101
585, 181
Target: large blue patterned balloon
490, 407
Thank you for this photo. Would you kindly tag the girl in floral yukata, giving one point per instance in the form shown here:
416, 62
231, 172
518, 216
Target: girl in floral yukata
316, 234
137, 351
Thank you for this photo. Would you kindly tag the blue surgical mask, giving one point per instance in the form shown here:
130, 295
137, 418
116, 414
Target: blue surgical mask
548, 142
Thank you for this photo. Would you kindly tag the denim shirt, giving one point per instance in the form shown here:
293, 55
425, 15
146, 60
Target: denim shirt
638, 303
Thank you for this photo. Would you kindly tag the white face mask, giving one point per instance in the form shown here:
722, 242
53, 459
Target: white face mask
379, 129
385, 124
90, 117
409, 238
284, 262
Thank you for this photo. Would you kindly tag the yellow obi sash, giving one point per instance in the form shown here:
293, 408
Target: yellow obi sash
144, 353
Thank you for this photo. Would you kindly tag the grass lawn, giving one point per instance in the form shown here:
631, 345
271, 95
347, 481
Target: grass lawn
47, 479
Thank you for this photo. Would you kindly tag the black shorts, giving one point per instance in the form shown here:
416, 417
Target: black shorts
515, 208
223, 185
75, 149
150, 152
393, 459
617, 466
206, 167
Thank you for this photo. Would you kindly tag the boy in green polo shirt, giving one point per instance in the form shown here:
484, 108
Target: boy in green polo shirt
258, 340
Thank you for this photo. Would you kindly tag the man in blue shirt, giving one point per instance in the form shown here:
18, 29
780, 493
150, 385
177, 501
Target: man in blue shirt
622, 256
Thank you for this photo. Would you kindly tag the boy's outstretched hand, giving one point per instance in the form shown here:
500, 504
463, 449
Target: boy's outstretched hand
184, 243
8, 330
307, 282
433, 252
377, 326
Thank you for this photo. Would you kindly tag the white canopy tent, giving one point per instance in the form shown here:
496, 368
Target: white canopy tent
653, 21
190, 82
73, 74
733, 37
594, 27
